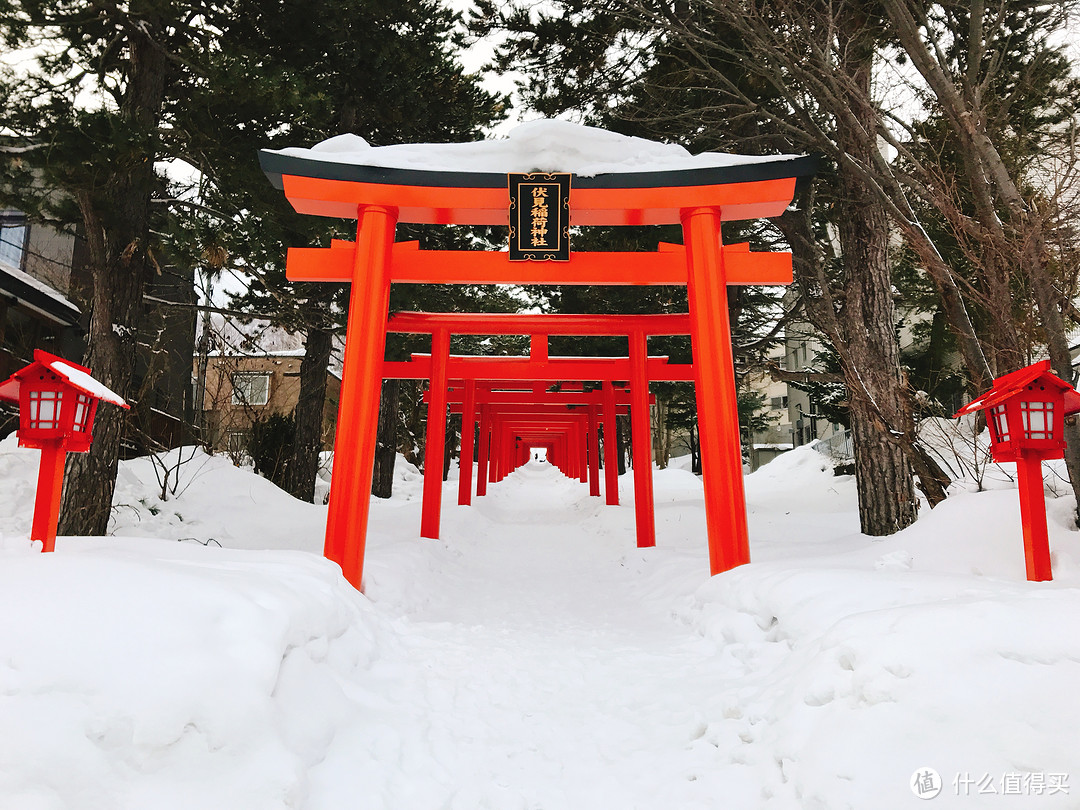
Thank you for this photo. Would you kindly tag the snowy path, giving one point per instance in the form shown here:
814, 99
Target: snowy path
533, 658
551, 677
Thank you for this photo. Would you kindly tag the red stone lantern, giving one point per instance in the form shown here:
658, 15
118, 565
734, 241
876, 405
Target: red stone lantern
1026, 413
57, 402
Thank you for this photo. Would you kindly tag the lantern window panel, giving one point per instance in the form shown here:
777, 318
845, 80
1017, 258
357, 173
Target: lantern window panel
250, 388
45, 409
82, 413
999, 424
1038, 419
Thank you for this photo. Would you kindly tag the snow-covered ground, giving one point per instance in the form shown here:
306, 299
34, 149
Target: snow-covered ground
533, 657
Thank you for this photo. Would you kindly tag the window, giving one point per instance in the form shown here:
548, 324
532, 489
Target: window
12, 238
998, 423
1038, 419
45, 409
777, 403
82, 413
250, 388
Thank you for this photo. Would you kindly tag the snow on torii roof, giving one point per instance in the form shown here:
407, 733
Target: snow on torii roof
75, 375
333, 177
1012, 383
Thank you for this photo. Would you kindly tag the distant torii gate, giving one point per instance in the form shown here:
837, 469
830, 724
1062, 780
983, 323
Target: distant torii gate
603, 408
638, 369
378, 197
587, 409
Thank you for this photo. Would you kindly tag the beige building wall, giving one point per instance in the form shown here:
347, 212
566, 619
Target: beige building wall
229, 413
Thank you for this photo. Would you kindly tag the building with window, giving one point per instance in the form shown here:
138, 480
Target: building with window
36, 312
764, 445
43, 289
241, 390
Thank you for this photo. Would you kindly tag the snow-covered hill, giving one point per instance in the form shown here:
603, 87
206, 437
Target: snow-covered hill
533, 657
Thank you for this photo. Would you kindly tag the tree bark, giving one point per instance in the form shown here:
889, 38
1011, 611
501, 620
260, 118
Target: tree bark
382, 479
116, 223
870, 355
695, 450
303, 468
453, 425
661, 435
622, 426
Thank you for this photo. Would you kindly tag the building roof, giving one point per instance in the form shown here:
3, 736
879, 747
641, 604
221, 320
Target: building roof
38, 296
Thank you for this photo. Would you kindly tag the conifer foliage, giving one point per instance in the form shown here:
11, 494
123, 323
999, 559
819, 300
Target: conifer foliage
100, 95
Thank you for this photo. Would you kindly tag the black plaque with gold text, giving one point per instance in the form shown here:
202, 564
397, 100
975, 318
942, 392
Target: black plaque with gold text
539, 217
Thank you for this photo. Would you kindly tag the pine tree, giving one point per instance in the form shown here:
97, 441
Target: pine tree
386, 71
694, 74
89, 112
110, 92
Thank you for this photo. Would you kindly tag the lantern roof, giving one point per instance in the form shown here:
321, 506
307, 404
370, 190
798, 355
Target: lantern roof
78, 377
1008, 385
466, 183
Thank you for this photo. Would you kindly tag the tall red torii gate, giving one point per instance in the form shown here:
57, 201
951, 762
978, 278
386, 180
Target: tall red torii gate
379, 196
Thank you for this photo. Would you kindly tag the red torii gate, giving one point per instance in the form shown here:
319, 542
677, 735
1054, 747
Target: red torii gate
439, 367
494, 411
496, 395
379, 196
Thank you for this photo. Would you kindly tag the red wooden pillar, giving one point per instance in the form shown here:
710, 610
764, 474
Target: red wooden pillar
570, 450
640, 430
495, 451
594, 453
581, 445
506, 452
47, 501
435, 444
1033, 516
465, 462
565, 453
538, 349
361, 385
611, 447
484, 455
714, 373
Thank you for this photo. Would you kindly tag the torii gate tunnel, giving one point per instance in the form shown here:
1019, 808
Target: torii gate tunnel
378, 197
540, 369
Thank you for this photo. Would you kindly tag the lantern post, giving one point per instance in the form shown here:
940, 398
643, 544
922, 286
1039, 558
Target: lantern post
1026, 413
57, 403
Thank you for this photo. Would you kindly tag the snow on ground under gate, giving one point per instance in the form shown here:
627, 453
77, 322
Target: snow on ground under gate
533, 658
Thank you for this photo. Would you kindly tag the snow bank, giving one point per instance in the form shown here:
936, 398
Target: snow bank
147, 674
534, 657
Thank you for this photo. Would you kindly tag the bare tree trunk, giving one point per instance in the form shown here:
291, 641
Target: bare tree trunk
695, 450
622, 427
661, 434
870, 356
116, 222
452, 432
382, 479
303, 468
